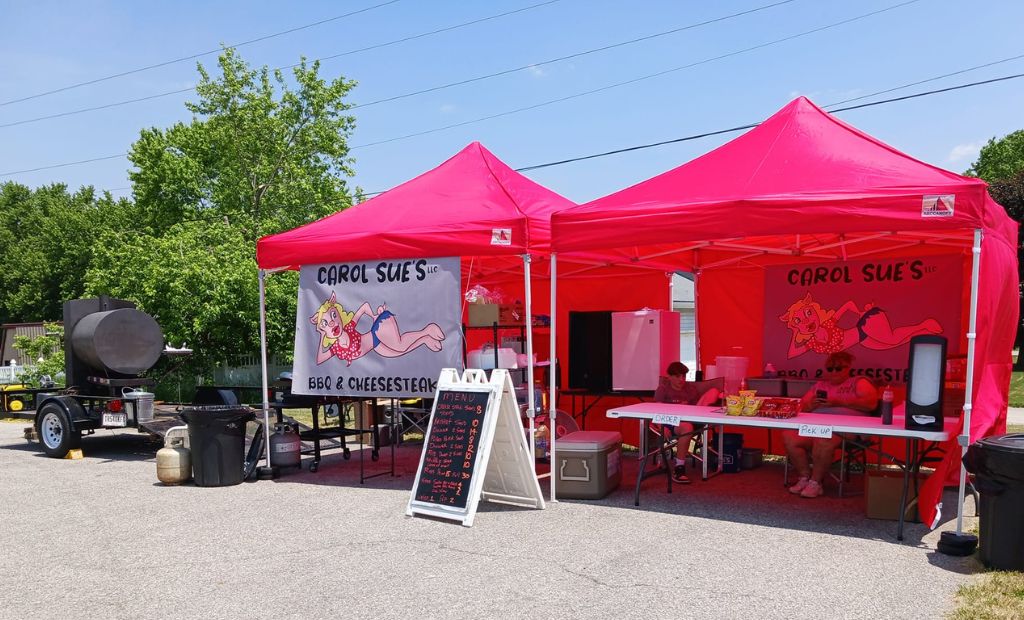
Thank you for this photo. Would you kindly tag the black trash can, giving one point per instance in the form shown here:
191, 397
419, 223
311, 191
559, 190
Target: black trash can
998, 467
217, 438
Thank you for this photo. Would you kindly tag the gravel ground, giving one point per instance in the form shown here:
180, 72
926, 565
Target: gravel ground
100, 538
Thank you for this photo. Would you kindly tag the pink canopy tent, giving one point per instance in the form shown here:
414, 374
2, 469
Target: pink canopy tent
804, 186
474, 206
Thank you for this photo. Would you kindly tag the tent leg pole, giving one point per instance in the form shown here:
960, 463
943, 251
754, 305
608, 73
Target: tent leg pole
528, 323
263, 363
554, 369
965, 436
696, 317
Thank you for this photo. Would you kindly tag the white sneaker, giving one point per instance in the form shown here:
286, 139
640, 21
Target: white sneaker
813, 489
800, 485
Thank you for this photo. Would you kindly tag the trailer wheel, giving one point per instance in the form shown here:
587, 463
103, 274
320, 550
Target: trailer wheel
56, 432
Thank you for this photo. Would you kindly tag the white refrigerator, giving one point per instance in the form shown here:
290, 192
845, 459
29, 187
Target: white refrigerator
644, 343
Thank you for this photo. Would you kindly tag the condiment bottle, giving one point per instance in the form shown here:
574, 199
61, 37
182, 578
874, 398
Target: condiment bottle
887, 398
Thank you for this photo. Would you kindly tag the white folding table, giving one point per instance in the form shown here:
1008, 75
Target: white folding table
824, 424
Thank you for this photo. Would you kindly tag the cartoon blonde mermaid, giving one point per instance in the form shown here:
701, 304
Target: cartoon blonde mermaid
815, 329
339, 336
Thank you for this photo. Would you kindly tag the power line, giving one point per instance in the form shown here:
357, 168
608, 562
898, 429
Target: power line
752, 125
193, 56
931, 79
64, 165
542, 63
94, 108
634, 80
429, 33
631, 148
930, 92
421, 35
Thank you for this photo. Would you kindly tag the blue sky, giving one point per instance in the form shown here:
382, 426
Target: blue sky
48, 45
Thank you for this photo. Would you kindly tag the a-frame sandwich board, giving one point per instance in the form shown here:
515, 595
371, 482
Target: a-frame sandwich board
474, 429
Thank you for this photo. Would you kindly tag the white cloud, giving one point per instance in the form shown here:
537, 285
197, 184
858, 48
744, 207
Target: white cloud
964, 152
536, 71
447, 108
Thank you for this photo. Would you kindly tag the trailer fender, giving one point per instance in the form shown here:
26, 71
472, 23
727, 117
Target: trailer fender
70, 406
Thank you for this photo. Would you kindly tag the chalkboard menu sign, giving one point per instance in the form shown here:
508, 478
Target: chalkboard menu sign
449, 456
475, 449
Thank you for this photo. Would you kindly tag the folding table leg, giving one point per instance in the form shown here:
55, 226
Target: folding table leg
704, 455
721, 450
643, 461
906, 487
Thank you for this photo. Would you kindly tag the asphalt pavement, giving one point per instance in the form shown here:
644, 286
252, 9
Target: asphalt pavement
101, 538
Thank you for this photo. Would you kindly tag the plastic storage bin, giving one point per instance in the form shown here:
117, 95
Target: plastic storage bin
767, 386
796, 388
589, 464
751, 458
217, 440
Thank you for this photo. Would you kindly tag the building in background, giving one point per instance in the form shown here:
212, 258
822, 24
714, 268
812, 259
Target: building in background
683, 303
8, 331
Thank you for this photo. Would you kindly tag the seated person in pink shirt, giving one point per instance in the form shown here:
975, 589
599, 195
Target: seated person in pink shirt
837, 393
674, 388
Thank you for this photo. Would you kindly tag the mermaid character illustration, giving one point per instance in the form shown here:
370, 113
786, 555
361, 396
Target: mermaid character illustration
815, 329
339, 336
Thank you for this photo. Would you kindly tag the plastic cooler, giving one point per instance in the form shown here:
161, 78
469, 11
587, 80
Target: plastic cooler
589, 464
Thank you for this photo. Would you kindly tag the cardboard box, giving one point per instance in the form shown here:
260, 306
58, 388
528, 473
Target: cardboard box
508, 314
882, 496
482, 315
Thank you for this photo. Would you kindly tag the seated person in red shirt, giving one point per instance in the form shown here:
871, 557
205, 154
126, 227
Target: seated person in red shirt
837, 393
674, 388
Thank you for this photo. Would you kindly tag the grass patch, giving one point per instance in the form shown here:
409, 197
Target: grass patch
1017, 389
996, 595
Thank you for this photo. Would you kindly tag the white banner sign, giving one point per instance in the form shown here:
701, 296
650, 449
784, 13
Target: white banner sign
377, 328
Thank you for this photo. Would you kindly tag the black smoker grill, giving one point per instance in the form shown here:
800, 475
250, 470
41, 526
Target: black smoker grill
108, 344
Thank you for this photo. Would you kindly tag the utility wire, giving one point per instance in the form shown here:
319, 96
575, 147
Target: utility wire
542, 63
931, 79
94, 108
634, 80
64, 165
631, 148
429, 33
752, 125
421, 35
194, 56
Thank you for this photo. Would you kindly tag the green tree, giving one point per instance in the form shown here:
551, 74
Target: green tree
1001, 164
264, 160
46, 244
1000, 159
261, 154
198, 280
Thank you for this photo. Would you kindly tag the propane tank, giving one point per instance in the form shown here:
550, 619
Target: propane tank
173, 462
285, 447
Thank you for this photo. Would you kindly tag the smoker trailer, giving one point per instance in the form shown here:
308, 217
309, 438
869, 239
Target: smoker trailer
108, 344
